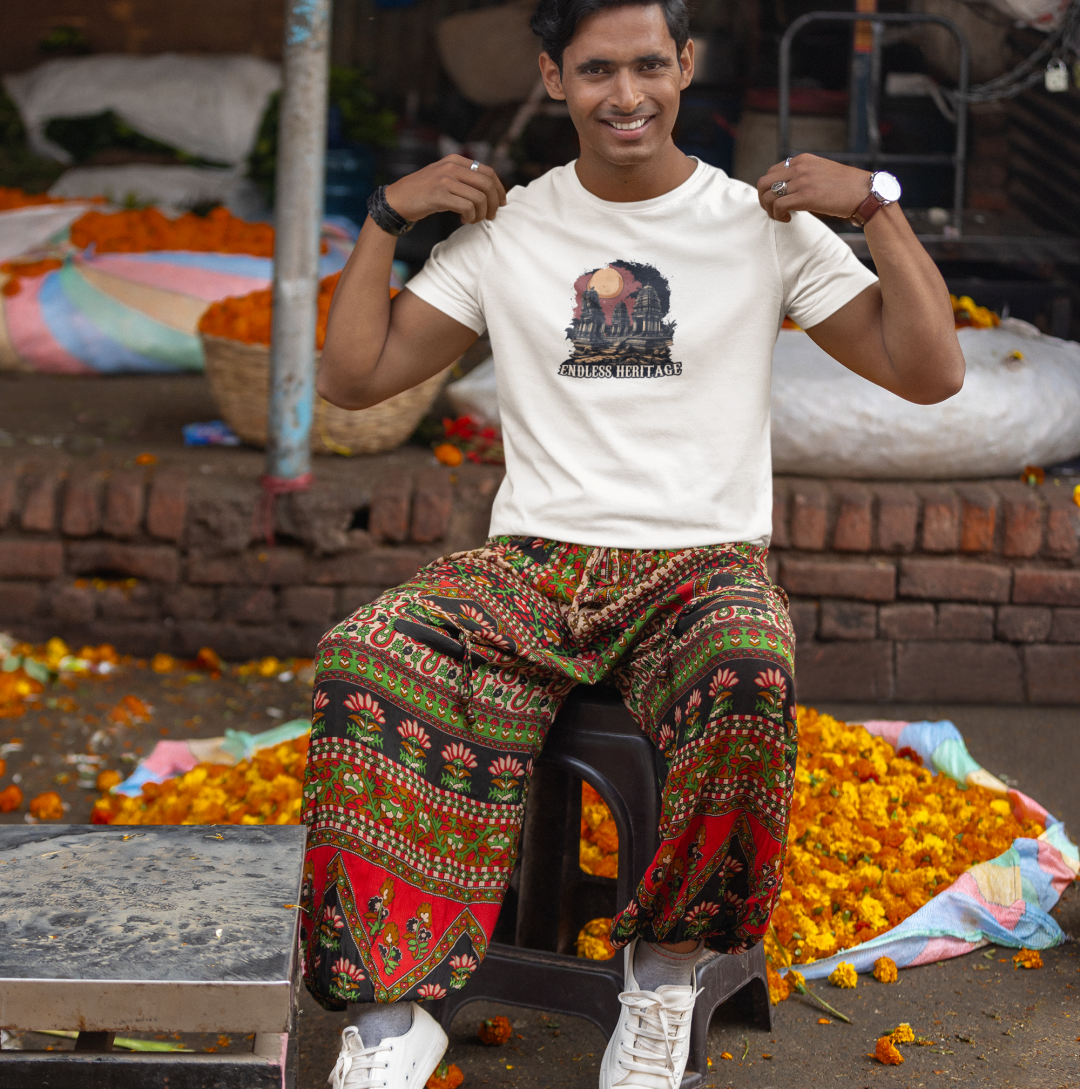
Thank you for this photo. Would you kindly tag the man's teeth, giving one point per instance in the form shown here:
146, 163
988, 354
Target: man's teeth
629, 124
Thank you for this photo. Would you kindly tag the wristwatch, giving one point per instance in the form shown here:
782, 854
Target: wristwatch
884, 189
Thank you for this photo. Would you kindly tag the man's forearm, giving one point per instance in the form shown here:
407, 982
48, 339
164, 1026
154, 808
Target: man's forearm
916, 315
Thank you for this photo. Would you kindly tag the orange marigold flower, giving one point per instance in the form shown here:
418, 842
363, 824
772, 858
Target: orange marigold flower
594, 940
446, 1076
494, 1031
1028, 958
107, 779
47, 806
886, 1052
885, 970
779, 988
11, 797
844, 975
726, 1055
823, 1021
449, 454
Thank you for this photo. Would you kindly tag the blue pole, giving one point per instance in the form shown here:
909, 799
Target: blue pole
297, 219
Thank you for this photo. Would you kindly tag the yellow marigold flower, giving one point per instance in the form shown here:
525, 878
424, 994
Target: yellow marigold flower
886, 1052
885, 970
779, 988
844, 975
795, 979
1028, 958
903, 1034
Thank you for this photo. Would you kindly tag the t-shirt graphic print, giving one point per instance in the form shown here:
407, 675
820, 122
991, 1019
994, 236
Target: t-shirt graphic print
620, 327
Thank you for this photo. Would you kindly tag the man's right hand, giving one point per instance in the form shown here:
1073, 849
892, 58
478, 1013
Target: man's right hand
450, 185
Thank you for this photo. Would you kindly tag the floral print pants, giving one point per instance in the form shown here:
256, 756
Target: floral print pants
432, 703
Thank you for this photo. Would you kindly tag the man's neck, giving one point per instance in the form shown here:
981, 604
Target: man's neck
639, 181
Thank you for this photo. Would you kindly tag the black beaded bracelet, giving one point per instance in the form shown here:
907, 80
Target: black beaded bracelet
385, 216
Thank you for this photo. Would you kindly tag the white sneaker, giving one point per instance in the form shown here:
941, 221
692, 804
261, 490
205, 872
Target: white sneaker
650, 1046
399, 1062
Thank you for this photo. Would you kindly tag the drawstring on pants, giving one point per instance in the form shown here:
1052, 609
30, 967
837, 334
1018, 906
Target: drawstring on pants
467, 677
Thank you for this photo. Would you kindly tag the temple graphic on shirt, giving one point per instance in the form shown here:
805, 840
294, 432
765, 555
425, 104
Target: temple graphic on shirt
619, 328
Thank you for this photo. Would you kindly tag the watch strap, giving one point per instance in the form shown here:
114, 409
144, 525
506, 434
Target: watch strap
867, 210
384, 216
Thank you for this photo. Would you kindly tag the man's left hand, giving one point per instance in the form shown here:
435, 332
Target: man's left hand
813, 185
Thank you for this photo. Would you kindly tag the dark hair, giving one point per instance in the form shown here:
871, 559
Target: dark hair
556, 21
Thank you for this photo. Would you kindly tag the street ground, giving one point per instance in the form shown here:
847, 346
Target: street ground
992, 1024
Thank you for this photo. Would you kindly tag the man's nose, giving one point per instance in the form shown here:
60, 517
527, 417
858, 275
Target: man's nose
625, 95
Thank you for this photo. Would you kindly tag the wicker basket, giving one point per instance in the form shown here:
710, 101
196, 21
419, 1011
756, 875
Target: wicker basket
239, 376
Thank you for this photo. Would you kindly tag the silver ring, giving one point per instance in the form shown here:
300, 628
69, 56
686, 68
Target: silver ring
787, 162
779, 188
475, 164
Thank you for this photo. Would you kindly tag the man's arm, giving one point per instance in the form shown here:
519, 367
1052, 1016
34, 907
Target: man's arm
899, 333
376, 347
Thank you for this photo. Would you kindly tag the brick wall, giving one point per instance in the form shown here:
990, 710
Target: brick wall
966, 592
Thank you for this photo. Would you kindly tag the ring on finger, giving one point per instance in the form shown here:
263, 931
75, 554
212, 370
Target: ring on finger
779, 188
475, 165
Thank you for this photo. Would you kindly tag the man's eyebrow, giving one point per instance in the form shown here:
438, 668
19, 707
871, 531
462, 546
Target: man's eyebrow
600, 62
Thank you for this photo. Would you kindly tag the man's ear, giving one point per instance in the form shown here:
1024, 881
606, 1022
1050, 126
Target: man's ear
686, 63
552, 77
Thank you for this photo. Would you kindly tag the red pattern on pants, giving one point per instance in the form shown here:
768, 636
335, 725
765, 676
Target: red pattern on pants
432, 703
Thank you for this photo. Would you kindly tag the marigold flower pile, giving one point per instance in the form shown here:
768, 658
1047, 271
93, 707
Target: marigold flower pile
11, 198
144, 229
967, 313
594, 940
872, 837
599, 847
16, 270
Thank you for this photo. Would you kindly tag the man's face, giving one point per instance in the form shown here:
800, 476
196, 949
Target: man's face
621, 80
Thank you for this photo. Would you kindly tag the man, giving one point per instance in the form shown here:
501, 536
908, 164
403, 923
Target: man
628, 539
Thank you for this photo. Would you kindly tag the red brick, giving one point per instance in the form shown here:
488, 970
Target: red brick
781, 534
844, 671
1062, 522
1038, 586
166, 510
854, 518
941, 520
1023, 515
388, 518
139, 602
953, 580
82, 504
959, 672
188, 603
433, 502
143, 638
124, 503
308, 605
863, 581
19, 601
898, 517
847, 620
159, 563
351, 598
31, 559
73, 604
39, 506
270, 566
1065, 627
978, 508
380, 567
247, 604
809, 515
804, 619
9, 492
1053, 674
1024, 623
908, 620
234, 642
975, 622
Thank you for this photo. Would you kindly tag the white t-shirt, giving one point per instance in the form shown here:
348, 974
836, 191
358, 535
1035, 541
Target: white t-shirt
633, 352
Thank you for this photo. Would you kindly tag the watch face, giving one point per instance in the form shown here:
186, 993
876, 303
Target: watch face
884, 186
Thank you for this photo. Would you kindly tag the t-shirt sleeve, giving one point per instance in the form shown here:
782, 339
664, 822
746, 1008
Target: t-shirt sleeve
819, 272
450, 278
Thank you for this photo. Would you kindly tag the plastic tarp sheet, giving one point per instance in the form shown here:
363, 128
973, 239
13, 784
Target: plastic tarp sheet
207, 106
23, 230
1005, 901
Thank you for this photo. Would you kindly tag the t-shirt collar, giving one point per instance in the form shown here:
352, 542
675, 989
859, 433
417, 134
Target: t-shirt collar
632, 206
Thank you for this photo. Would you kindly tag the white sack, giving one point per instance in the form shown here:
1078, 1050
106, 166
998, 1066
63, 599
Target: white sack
827, 421
178, 187
1040, 14
209, 106
24, 230
476, 394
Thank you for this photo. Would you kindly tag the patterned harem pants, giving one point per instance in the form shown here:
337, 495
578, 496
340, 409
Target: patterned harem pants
432, 703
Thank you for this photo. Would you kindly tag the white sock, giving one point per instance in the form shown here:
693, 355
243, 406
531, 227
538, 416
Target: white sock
378, 1021
655, 967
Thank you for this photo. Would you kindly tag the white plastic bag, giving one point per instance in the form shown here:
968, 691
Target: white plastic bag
476, 394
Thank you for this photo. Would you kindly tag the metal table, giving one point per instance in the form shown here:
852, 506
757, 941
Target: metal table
107, 929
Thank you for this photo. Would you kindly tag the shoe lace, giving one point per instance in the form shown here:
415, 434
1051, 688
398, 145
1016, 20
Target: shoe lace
659, 1022
359, 1061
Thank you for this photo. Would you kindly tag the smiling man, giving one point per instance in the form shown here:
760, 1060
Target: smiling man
633, 299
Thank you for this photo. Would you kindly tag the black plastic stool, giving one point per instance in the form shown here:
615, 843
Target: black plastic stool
530, 961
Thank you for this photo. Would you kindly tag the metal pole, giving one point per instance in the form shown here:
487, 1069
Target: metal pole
297, 218
860, 89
